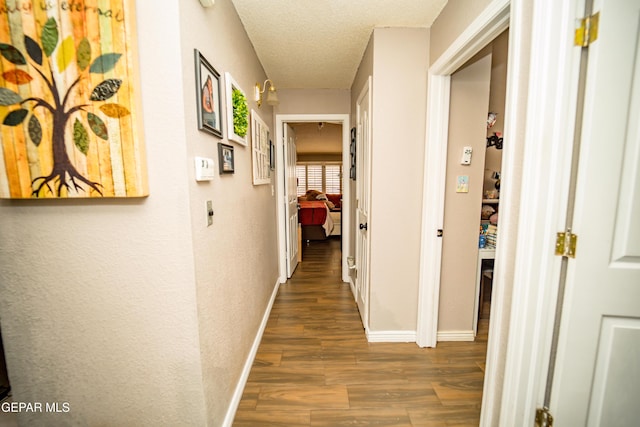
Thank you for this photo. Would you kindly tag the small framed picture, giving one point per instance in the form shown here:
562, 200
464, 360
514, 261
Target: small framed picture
272, 155
208, 96
225, 158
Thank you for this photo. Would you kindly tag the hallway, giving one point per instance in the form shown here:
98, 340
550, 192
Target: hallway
314, 366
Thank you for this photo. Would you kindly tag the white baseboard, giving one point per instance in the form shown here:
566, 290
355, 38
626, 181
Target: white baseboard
456, 336
391, 336
237, 395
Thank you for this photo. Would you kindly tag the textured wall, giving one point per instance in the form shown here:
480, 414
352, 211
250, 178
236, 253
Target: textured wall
98, 297
236, 263
467, 127
134, 311
452, 21
398, 117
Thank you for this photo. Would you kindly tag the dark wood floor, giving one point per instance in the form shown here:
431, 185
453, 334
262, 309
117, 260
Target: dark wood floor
314, 366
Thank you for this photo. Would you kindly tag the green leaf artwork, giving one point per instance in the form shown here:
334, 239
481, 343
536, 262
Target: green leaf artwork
35, 130
104, 63
240, 113
33, 49
80, 137
84, 54
16, 117
9, 97
97, 126
50, 36
12, 54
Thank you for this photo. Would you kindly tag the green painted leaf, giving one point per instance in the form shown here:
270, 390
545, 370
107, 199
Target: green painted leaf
50, 36
80, 137
105, 63
84, 54
105, 90
35, 130
12, 54
98, 127
33, 49
16, 117
9, 97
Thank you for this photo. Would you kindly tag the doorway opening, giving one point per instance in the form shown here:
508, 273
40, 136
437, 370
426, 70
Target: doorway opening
321, 165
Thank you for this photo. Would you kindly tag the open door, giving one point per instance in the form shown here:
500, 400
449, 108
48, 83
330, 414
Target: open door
291, 209
597, 380
363, 200
459, 284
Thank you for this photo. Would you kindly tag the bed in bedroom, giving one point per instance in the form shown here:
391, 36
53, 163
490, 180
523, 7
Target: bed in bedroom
319, 219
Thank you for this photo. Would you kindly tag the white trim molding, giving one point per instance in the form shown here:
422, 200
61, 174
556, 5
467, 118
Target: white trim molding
237, 394
456, 335
391, 336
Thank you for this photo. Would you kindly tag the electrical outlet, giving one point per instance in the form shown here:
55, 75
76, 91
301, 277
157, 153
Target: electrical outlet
209, 213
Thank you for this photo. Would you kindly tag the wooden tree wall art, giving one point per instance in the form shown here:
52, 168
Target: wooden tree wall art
69, 100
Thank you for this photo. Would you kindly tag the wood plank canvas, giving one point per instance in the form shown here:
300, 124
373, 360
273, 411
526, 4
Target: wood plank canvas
70, 122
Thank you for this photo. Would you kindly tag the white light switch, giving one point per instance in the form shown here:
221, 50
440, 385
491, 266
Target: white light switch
204, 169
466, 156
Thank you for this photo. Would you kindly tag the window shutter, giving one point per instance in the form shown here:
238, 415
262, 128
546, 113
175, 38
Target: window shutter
301, 174
314, 177
333, 181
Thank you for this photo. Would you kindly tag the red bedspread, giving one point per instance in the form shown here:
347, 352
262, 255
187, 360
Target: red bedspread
312, 213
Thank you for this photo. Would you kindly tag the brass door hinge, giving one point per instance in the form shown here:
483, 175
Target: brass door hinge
544, 417
566, 243
587, 30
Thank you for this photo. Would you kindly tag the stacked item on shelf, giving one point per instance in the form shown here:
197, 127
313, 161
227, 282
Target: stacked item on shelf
492, 236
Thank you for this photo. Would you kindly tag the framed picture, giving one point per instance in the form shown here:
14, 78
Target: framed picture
272, 155
237, 112
70, 97
352, 150
225, 158
208, 96
260, 150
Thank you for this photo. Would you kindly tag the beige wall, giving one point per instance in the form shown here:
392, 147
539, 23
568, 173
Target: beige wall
132, 310
452, 21
469, 103
398, 118
235, 259
313, 101
99, 296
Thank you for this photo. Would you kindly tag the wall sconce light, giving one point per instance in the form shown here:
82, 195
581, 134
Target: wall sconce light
272, 95
207, 3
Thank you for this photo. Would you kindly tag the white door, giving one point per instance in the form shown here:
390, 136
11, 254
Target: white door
291, 198
597, 376
363, 200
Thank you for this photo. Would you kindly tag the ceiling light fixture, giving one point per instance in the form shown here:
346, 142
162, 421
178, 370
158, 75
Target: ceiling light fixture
272, 95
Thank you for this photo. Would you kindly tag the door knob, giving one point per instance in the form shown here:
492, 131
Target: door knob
364, 226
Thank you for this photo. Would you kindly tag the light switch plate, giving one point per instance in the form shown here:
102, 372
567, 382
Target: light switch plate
209, 213
204, 169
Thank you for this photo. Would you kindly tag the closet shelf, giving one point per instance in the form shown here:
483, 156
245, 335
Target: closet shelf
491, 201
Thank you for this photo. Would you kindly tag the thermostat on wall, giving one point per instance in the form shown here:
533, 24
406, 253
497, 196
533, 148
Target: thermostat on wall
204, 169
466, 156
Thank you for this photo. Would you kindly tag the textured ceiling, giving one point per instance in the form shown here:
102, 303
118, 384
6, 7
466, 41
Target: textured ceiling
318, 44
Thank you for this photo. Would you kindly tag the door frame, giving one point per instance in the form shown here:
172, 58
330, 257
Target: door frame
280, 120
487, 26
535, 181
